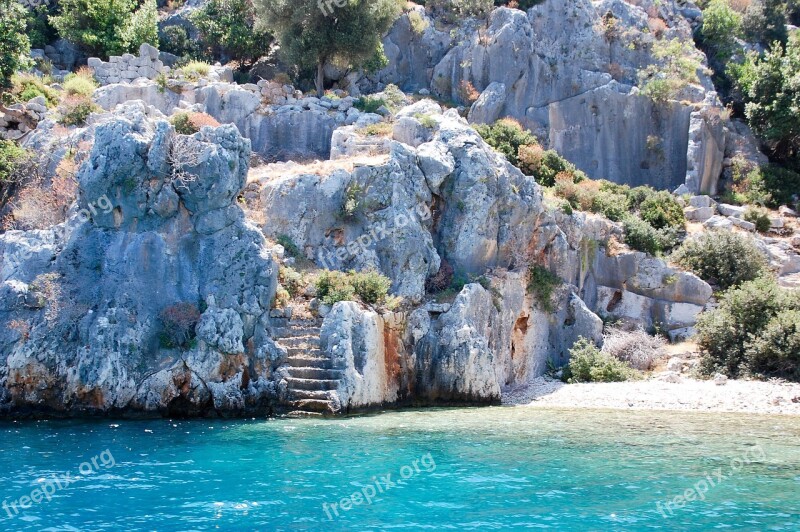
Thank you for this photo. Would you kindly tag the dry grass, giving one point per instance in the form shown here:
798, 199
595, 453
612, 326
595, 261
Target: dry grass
637, 348
38, 206
740, 6
657, 26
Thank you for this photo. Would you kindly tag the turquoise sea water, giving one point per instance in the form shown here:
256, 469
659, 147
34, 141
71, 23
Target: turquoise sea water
494, 468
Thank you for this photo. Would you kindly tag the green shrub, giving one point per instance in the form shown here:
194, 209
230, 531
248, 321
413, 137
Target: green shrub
506, 136
190, 123
768, 85
175, 40
776, 349
289, 246
541, 283
178, 324
378, 129
75, 85
452, 11
588, 364
611, 205
759, 217
74, 110
194, 70
370, 286
418, 23
724, 258
14, 43
427, 121
764, 21
26, 87
638, 195
770, 185
662, 210
11, 156
782, 185
676, 65
754, 330
38, 27
369, 104
642, 236
334, 286
393, 96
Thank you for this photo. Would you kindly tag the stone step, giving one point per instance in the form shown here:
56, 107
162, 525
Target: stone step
284, 332
299, 360
299, 341
314, 405
308, 352
323, 395
307, 372
312, 384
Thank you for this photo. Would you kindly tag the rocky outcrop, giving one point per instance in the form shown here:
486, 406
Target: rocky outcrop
280, 123
19, 119
568, 71
103, 308
452, 200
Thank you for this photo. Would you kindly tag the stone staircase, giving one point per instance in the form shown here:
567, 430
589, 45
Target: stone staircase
312, 377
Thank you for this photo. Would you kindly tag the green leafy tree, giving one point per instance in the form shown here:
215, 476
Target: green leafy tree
771, 90
313, 32
721, 26
14, 44
99, 26
764, 21
227, 26
142, 27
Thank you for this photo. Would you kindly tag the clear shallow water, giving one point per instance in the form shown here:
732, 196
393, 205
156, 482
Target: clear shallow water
495, 468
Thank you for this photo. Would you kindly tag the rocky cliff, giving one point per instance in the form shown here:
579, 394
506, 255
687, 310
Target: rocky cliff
569, 71
157, 295
156, 225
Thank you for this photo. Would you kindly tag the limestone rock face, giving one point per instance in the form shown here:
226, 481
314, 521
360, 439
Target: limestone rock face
569, 72
455, 362
89, 296
453, 189
360, 343
289, 130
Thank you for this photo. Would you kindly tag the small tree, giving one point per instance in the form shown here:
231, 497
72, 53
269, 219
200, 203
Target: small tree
721, 26
313, 32
772, 95
14, 44
226, 26
142, 27
96, 25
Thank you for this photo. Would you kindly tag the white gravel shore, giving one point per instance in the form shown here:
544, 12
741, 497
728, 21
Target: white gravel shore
754, 397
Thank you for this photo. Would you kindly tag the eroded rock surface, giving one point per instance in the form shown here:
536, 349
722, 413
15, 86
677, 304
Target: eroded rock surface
87, 297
